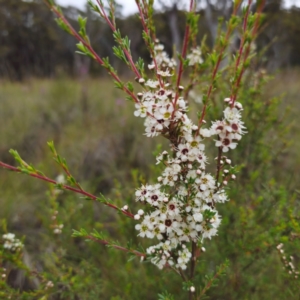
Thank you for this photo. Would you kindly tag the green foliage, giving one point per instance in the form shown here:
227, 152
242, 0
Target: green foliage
165, 296
262, 212
46, 51
254, 222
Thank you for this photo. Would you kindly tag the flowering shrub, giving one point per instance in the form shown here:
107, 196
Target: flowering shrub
179, 210
183, 202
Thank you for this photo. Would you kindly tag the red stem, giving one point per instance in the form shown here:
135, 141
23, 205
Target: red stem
208, 285
247, 52
243, 40
137, 253
78, 191
183, 54
113, 28
216, 70
97, 58
141, 13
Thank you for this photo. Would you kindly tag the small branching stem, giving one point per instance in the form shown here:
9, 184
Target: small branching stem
114, 29
193, 266
210, 282
142, 13
215, 70
219, 164
95, 55
183, 55
66, 187
104, 242
247, 51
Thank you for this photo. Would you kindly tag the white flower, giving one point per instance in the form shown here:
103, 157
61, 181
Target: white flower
141, 110
226, 143
232, 114
159, 47
145, 230
195, 57
183, 151
164, 73
164, 112
220, 196
198, 217
184, 256
142, 193
201, 159
173, 208
206, 132
153, 128
153, 84
12, 243
206, 182
218, 127
61, 179
162, 59
171, 174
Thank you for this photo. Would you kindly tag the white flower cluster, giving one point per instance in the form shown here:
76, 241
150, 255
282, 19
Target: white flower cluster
161, 255
181, 206
11, 243
288, 262
49, 285
195, 57
162, 58
230, 129
58, 228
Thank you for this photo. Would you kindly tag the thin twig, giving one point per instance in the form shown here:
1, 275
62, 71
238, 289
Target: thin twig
90, 48
114, 29
183, 55
247, 52
104, 242
66, 187
209, 283
210, 89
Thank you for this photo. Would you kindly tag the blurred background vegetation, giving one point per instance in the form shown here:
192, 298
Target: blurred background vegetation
47, 92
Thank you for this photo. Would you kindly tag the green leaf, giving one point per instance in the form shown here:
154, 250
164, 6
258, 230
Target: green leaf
63, 26
130, 87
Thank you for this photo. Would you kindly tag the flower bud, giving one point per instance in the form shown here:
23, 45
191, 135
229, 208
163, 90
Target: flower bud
238, 105
141, 80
